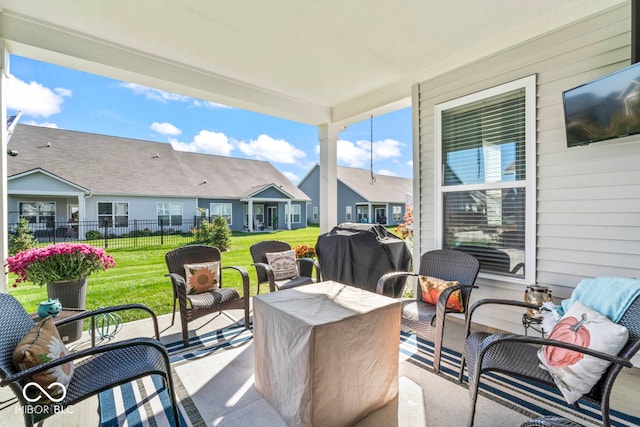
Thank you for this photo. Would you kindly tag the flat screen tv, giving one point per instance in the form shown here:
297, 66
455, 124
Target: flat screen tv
606, 108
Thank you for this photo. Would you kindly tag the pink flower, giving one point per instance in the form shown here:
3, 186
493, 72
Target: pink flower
61, 261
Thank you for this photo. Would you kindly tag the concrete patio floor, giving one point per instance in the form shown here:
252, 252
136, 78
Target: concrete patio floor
84, 414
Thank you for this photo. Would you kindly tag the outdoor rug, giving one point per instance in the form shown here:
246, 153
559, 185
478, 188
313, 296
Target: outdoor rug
214, 383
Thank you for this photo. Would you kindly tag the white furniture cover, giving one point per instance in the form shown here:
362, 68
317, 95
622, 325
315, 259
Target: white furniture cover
326, 354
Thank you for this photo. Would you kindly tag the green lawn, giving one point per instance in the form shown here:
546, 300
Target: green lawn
140, 274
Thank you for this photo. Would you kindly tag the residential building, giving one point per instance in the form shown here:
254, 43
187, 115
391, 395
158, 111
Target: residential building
61, 175
361, 196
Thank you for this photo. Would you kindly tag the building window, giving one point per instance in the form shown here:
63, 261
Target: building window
38, 212
396, 213
222, 209
315, 213
296, 216
113, 214
362, 213
486, 149
169, 213
349, 213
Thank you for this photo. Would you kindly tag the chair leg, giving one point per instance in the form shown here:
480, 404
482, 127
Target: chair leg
461, 373
173, 318
473, 397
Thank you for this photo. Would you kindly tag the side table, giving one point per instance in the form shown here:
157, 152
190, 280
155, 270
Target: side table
534, 323
67, 330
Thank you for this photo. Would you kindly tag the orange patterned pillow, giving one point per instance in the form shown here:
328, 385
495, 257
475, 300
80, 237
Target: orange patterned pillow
432, 287
202, 277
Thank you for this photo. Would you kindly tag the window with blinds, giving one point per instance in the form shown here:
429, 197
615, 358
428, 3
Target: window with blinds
483, 183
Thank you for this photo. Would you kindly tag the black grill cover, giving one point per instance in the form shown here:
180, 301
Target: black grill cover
358, 254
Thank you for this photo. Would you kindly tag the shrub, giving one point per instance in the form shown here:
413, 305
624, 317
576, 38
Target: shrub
21, 237
216, 233
93, 235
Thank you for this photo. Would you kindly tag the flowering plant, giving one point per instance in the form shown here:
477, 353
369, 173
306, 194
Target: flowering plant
58, 262
305, 251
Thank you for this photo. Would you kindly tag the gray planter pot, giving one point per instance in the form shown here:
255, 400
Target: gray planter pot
71, 294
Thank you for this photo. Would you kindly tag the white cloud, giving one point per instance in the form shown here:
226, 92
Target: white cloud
205, 142
351, 154
155, 94
410, 163
359, 153
41, 124
34, 99
386, 149
386, 172
165, 128
292, 177
273, 150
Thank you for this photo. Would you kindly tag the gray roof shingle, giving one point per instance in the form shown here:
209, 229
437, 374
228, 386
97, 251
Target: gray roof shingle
122, 166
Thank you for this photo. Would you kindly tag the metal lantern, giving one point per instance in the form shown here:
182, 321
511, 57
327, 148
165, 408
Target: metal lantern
537, 294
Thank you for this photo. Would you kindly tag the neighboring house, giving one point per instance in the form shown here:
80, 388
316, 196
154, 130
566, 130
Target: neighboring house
358, 199
62, 175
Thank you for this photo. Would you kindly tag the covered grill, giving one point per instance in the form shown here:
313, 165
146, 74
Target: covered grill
358, 254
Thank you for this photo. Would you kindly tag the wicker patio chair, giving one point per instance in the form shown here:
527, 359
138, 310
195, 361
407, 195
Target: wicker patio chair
194, 306
265, 272
512, 354
425, 319
95, 369
550, 421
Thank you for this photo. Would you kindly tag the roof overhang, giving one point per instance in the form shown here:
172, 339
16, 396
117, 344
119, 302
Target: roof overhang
312, 62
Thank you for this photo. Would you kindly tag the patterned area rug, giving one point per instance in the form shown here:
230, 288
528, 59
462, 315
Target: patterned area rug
146, 403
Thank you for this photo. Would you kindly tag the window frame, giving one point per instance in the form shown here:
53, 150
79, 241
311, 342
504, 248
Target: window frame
113, 223
294, 207
529, 183
172, 222
39, 216
228, 217
315, 213
396, 216
348, 214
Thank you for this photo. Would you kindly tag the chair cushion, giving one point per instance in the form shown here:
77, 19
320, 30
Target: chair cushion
42, 344
215, 297
576, 373
202, 277
292, 283
432, 287
283, 264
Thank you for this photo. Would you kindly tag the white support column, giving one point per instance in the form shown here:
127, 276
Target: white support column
370, 214
250, 215
289, 215
328, 136
4, 211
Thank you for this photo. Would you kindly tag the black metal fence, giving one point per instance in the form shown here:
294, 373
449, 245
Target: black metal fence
121, 234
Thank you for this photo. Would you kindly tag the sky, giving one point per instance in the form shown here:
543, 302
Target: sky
53, 96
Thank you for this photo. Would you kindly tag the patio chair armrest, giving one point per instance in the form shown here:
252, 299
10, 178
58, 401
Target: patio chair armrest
383, 279
270, 275
179, 285
495, 301
316, 265
81, 354
496, 339
105, 310
245, 278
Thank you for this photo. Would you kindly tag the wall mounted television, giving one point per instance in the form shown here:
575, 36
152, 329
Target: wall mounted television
605, 108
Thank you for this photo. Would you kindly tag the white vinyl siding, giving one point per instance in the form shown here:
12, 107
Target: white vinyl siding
587, 198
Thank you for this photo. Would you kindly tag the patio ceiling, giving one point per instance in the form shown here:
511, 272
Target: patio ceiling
329, 61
